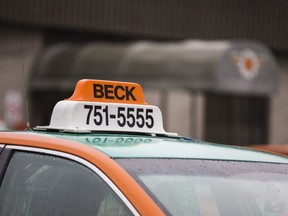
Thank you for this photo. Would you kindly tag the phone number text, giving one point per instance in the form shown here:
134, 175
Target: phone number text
124, 116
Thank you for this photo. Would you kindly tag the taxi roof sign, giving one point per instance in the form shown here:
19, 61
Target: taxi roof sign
106, 106
108, 91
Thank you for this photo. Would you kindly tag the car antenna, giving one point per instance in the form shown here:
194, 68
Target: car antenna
25, 84
26, 102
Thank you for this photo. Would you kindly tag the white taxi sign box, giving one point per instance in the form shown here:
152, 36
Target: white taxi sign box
98, 105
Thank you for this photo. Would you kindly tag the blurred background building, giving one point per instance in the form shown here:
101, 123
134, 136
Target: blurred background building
217, 69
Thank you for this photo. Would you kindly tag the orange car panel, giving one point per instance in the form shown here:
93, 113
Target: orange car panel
142, 202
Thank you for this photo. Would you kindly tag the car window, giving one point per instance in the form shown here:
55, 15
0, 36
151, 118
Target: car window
1, 148
208, 187
37, 184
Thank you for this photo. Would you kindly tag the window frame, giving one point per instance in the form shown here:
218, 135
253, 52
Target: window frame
76, 159
1, 148
5, 155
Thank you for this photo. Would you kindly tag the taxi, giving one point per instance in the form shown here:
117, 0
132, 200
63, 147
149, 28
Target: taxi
105, 152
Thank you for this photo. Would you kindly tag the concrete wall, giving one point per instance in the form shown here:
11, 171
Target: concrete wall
278, 125
183, 111
18, 50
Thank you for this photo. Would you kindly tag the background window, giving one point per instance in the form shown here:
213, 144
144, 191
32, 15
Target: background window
236, 120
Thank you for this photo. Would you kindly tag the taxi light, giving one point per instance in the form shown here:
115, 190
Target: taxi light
98, 105
108, 91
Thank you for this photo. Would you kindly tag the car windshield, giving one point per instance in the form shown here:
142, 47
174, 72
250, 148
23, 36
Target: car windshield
207, 187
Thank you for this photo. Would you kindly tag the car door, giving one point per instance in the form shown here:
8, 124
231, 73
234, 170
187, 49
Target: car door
45, 182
